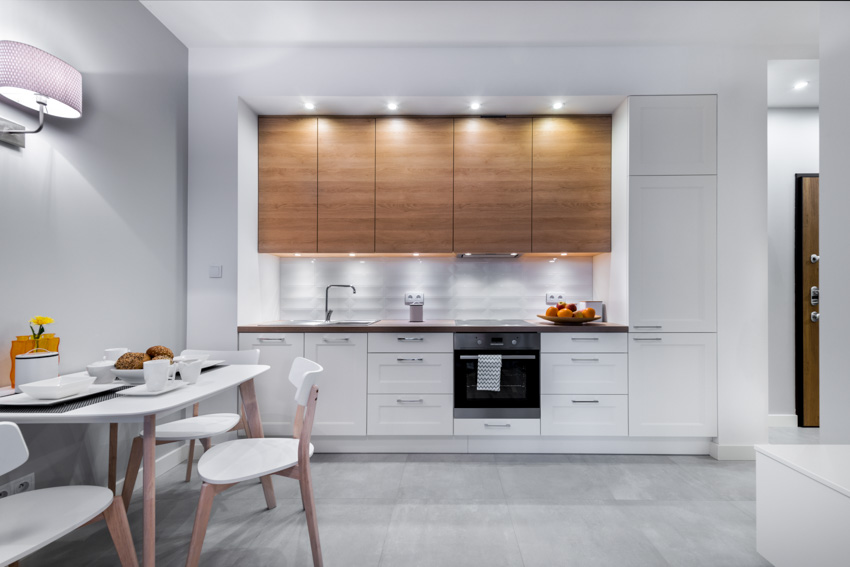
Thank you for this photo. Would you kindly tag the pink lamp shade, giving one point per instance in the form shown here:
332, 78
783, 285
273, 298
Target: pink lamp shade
28, 74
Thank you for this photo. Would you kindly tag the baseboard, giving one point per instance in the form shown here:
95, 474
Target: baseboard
732, 452
782, 420
164, 464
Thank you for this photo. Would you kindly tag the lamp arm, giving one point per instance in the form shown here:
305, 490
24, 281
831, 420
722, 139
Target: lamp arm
41, 106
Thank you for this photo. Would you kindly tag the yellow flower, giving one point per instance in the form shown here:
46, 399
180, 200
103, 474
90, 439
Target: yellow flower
41, 320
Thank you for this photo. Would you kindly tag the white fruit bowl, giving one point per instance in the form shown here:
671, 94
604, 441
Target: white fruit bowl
56, 388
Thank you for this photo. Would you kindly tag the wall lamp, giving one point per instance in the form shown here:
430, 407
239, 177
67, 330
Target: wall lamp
35, 79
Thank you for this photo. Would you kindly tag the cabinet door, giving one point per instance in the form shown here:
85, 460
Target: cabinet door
673, 254
673, 135
341, 409
413, 185
673, 385
589, 415
492, 177
584, 373
287, 176
275, 394
346, 215
571, 184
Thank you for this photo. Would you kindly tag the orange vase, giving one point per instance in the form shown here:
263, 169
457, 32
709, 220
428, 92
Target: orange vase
25, 343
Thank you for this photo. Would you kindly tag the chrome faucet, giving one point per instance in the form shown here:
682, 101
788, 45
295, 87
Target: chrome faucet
329, 312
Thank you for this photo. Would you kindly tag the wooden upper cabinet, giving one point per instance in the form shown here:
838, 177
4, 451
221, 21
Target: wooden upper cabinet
572, 184
492, 177
346, 202
414, 185
287, 171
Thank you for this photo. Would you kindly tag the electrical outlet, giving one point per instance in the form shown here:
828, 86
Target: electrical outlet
23, 484
414, 298
6, 490
555, 297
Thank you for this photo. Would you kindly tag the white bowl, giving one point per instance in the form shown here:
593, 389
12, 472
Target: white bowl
60, 387
134, 377
199, 356
102, 371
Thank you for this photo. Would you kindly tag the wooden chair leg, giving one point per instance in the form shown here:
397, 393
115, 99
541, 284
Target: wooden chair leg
119, 529
309, 502
112, 477
191, 459
202, 518
132, 472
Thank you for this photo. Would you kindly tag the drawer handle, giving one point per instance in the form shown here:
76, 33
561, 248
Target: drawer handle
272, 340
585, 401
647, 326
585, 338
585, 359
410, 339
410, 359
343, 340
419, 401
647, 339
506, 425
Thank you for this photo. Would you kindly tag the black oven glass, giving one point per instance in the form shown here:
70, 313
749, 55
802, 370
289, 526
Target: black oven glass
520, 381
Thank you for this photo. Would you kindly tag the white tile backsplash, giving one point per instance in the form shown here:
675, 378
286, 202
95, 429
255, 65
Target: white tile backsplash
454, 289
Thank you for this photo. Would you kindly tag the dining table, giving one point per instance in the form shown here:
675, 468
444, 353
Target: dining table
117, 408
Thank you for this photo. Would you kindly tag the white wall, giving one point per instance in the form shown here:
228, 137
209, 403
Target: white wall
834, 226
93, 211
792, 147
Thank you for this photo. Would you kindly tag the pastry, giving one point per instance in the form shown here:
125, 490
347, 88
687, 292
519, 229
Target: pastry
163, 357
156, 351
131, 361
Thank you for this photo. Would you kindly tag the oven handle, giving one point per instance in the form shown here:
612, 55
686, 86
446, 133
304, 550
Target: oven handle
504, 356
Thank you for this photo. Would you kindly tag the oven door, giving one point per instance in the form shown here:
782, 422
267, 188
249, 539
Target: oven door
519, 391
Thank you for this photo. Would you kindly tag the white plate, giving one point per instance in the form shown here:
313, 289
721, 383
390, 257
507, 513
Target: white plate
26, 400
143, 389
58, 388
138, 376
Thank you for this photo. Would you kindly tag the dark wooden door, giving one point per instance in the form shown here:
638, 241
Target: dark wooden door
807, 262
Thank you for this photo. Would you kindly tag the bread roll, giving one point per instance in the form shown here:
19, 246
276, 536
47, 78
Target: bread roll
132, 361
155, 351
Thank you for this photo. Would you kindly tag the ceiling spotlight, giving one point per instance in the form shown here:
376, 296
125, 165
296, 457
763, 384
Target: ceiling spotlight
558, 105
800, 85
416, 253
563, 253
392, 106
352, 254
309, 106
475, 105
297, 253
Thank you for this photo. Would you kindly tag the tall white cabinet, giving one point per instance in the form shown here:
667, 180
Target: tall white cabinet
672, 266
342, 385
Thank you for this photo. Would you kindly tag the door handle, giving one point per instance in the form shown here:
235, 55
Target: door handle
815, 316
410, 359
419, 401
343, 340
410, 339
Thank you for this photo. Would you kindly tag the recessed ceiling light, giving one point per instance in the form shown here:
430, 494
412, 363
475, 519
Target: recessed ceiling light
475, 105
352, 254
416, 253
563, 253
297, 253
309, 105
800, 85
392, 106
558, 105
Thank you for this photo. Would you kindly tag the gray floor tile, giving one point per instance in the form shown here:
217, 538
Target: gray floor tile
451, 458
729, 480
445, 533
461, 481
359, 479
794, 435
530, 458
359, 458
652, 481
557, 481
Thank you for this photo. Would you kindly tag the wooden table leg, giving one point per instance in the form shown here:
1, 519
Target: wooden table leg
255, 429
113, 456
149, 488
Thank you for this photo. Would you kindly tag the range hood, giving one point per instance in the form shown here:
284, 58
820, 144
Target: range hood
470, 256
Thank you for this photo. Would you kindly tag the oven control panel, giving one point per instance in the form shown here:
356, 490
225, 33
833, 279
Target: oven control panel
497, 341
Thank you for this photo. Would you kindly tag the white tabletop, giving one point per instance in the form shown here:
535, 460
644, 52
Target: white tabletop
826, 464
132, 409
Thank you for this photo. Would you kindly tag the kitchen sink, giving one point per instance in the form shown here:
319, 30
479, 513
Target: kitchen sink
315, 323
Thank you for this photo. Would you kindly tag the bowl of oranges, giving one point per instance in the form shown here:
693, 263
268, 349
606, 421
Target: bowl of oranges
569, 314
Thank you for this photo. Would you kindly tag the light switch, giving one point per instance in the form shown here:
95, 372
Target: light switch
215, 271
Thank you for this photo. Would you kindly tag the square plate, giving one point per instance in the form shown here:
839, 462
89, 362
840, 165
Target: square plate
25, 400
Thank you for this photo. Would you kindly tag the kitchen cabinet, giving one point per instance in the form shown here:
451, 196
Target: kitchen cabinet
584, 373
673, 384
346, 185
673, 254
584, 415
498, 427
673, 135
275, 393
287, 190
414, 184
492, 185
583, 342
419, 414
341, 409
571, 184
411, 373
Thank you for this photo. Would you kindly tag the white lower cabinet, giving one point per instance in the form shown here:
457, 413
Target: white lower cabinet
411, 373
497, 427
418, 414
341, 408
584, 373
673, 385
589, 415
275, 394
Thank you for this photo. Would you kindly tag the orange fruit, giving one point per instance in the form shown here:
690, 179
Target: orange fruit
552, 312
590, 312
565, 313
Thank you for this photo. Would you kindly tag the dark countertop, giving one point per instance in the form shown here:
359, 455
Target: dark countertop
434, 326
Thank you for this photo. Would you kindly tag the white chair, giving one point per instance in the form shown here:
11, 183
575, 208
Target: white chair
32, 520
243, 459
201, 428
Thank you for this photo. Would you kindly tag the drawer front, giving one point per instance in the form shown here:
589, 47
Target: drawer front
584, 342
497, 427
411, 342
411, 373
584, 415
419, 414
583, 373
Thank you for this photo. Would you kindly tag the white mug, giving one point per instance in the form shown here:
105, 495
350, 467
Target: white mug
157, 373
114, 354
190, 370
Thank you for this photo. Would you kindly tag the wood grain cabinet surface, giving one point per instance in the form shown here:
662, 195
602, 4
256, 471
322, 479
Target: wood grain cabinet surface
571, 184
414, 185
287, 170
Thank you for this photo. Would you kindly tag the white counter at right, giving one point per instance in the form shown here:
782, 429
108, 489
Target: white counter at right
803, 504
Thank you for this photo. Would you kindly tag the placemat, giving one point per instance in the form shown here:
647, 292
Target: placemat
67, 406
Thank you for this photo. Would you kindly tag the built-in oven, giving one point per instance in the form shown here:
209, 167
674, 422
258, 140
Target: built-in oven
513, 390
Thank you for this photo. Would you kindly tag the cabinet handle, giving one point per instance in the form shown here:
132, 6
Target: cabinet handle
410, 359
497, 425
419, 401
585, 401
585, 338
343, 340
281, 340
410, 339
585, 359
647, 326
647, 339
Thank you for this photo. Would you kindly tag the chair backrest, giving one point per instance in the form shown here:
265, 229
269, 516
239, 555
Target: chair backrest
251, 356
302, 374
13, 448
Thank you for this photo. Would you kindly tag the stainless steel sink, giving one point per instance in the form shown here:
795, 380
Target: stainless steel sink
314, 323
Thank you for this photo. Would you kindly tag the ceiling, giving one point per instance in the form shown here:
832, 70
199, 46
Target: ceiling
783, 75
248, 23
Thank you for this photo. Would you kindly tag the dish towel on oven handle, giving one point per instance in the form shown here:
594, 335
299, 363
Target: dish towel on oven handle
490, 372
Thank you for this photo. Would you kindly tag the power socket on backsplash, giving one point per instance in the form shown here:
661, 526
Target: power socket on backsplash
23, 484
414, 298
555, 297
